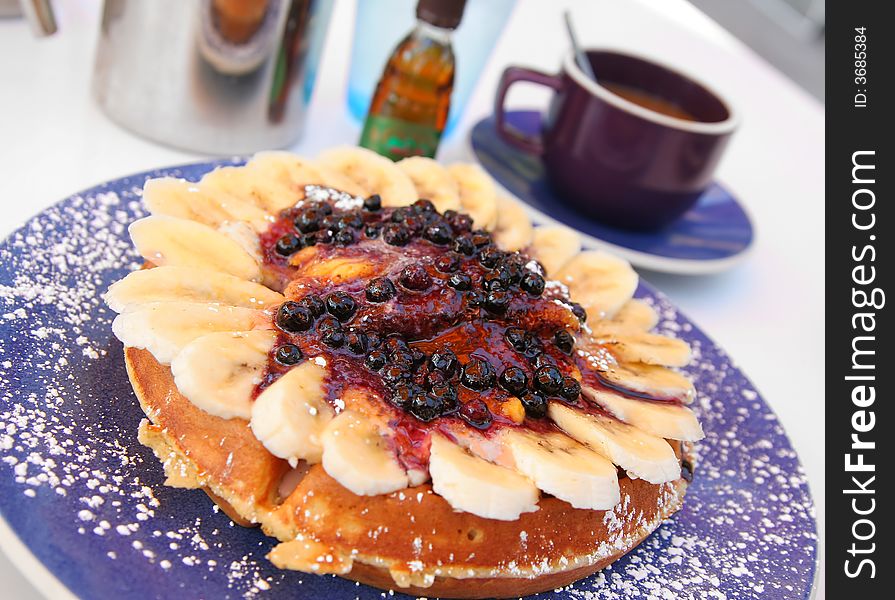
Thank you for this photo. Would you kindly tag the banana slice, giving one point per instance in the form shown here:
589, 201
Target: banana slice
478, 196
640, 454
165, 328
187, 284
359, 458
632, 345
250, 185
432, 182
554, 246
514, 230
600, 282
372, 173
179, 242
564, 468
664, 419
182, 199
217, 372
289, 416
294, 172
651, 380
636, 314
247, 238
474, 485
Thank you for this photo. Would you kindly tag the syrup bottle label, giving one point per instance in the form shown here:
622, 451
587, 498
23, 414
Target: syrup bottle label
397, 138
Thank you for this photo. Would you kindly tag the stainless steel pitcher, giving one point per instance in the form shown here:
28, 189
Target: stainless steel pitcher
215, 76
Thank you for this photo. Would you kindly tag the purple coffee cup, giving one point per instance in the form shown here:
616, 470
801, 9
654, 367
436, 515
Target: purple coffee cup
614, 159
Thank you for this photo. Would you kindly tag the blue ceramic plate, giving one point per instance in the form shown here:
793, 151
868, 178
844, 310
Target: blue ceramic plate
712, 236
88, 501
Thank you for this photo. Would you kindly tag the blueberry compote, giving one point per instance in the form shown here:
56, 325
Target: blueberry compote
422, 314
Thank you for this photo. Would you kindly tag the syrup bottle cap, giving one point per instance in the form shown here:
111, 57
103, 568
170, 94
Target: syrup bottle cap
441, 13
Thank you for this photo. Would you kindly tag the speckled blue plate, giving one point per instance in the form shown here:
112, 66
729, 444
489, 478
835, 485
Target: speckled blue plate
712, 236
89, 503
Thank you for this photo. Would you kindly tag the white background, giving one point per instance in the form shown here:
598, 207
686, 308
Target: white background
768, 312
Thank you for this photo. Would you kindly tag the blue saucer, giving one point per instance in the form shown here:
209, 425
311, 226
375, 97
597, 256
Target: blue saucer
712, 236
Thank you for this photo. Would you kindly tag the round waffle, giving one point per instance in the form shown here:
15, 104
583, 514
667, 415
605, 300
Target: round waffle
397, 397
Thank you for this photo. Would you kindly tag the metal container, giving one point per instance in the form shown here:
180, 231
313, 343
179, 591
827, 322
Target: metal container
215, 76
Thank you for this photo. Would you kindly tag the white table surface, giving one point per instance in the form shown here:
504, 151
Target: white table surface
768, 312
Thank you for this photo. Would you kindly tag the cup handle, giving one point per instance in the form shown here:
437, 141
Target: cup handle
514, 137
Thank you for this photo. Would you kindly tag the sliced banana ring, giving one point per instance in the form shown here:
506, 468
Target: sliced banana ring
600, 282
636, 314
170, 241
165, 328
664, 419
187, 284
642, 455
372, 173
632, 345
652, 380
357, 456
185, 200
514, 230
432, 182
478, 196
290, 415
553, 246
296, 172
476, 486
218, 372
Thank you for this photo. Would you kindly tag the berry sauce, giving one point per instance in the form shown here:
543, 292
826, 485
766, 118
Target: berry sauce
421, 318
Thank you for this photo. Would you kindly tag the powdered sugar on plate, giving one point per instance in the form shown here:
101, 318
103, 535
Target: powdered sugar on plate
88, 500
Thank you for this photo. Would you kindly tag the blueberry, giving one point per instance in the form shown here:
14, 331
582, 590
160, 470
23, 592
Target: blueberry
308, 220
330, 223
515, 337
374, 340
510, 272
476, 413
570, 389
418, 356
293, 317
478, 374
443, 360
344, 237
475, 298
356, 341
394, 374
414, 277
423, 206
402, 357
493, 281
402, 395
394, 343
415, 224
395, 234
532, 283
535, 404
514, 380
314, 304
334, 338
497, 301
288, 245
324, 236
447, 263
323, 208
439, 234
373, 203
548, 380
341, 305
463, 245
542, 359
461, 223
435, 378
460, 281
490, 257
399, 215
446, 394
372, 231
564, 341
578, 311
288, 354
380, 289
309, 240
532, 346
376, 360
425, 408
327, 324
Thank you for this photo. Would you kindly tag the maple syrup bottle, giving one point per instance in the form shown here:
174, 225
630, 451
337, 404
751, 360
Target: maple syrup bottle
410, 106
